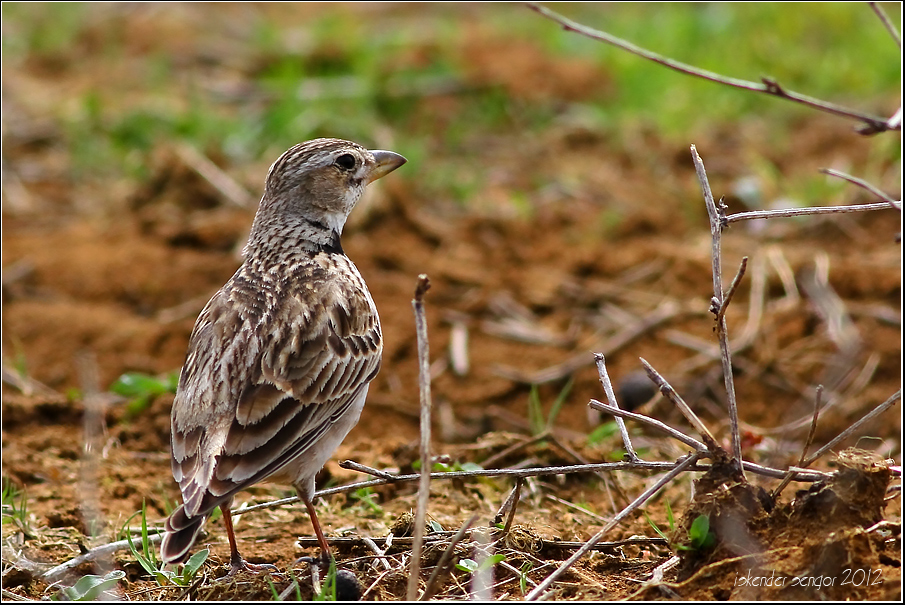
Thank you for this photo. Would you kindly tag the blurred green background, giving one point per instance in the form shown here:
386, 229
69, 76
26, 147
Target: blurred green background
243, 82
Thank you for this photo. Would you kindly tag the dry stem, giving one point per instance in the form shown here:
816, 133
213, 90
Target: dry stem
717, 222
425, 391
611, 398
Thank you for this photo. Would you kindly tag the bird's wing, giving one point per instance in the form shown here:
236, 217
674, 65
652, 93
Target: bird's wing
265, 379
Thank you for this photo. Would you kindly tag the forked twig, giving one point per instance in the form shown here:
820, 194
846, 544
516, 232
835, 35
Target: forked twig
509, 506
680, 466
674, 433
854, 427
872, 124
425, 391
807, 444
717, 222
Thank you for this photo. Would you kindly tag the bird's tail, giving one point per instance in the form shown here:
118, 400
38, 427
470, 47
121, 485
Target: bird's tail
181, 532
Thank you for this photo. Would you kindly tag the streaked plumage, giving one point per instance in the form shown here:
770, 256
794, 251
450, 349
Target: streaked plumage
280, 359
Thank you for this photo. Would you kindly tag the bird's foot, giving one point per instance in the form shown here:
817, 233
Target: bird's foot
239, 565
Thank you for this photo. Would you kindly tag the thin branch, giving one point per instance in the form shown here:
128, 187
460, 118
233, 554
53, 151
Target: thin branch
757, 214
509, 505
890, 27
425, 391
361, 468
818, 401
864, 185
807, 444
732, 288
872, 124
546, 470
674, 433
850, 430
611, 398
717, 222
439, 537
680, 466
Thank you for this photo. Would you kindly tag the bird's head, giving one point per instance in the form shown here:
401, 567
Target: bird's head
323, 179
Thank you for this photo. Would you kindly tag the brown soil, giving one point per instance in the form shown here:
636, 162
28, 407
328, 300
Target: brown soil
613, 233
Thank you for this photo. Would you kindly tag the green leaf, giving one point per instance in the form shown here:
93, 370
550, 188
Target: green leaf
491, 561
655, 527
699, 533
89, 587
194, 563
467, 565
603, 432
135, 384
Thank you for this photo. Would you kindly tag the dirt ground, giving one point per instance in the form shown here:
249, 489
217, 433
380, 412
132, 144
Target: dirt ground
613, 256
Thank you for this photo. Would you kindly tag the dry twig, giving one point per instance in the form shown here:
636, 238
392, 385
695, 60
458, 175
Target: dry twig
890, 27
425, 390
871, 124
717, 222
611, 398
807, 444
864, 185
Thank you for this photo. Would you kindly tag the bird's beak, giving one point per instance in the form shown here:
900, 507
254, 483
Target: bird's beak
387, 162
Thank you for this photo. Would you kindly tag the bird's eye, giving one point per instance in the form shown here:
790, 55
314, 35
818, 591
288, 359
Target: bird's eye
346, 161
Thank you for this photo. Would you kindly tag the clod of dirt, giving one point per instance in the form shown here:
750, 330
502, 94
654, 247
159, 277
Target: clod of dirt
733, 509
854, 496
828, 543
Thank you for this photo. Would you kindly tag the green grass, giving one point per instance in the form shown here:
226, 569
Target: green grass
341, 71
15, 507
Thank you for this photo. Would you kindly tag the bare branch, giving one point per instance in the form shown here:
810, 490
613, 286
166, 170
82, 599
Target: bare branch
425, 390
890, 27
100, 552
733, 287
872, 124
864, 185
787, 212
611, 398
717, 222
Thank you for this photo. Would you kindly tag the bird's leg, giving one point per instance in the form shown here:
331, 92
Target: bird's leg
236, 562
325, 548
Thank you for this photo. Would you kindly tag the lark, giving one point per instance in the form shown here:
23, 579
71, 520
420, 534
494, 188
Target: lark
279, 360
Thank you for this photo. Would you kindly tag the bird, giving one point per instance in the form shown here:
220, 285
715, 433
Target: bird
280, 359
